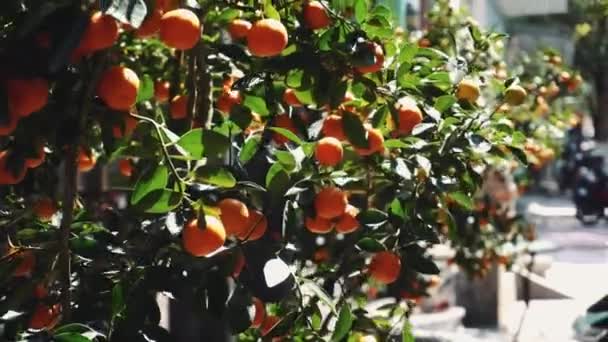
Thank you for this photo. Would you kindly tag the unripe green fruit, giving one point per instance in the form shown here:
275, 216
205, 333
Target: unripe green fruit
515, 95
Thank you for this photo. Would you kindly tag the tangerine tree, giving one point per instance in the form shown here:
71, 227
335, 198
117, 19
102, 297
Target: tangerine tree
264, 163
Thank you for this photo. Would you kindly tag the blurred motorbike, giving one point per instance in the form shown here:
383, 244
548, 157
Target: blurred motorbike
590, 188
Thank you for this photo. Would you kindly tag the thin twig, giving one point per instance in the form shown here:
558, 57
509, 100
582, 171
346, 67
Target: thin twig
164, 148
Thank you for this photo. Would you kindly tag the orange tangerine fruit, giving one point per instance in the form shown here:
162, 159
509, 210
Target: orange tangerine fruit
330, 203
202, 242
267, 38
26, 96
180, 29
118, 88
239, 28
329, 151
385, 267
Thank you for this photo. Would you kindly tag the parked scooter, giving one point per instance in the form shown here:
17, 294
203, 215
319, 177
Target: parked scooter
590, 188
575, 147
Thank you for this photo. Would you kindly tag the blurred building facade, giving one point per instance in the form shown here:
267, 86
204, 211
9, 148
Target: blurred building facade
530, 23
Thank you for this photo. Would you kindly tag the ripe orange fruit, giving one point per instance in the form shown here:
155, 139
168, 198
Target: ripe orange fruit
9, 127
151, 25
321, 255
283, 121
125, 166
120, 131
239, 28
118, 88
409, 115
379, 60
468, 90
180, 29
385, 267
332, 127
179, 107
44, 209
329, 151
202, 242
315, 15
290, 98
161, 91
45, 317
256, 227
227, 100
348, 222
26, 264
40, 291
86, 160
267, 38
375, 142
234, 216
318, 225
330, 203
26, 96
36, 161
515, 95
260, 313
269, 323
7, 174
424, 42
101, 33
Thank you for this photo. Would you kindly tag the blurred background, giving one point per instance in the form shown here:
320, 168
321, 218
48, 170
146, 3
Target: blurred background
551, 288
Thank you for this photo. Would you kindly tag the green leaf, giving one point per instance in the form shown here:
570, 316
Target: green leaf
274, 170
518, 139
287, 159
249, 149
146, 88
161, 201
360, 10
408, 52
463, 200
443, 103
440, 79
395, 143
192, 142
118, 300
407, 335
405, 79
270, 11
519, 154
241, 116
216, 144
154, 179
294, 78
344, 323
310, 285
277, 183
228, 15
70, 337
288, 134
256, 104
370, 245
216, 176
372, 217
132, 12
354, 129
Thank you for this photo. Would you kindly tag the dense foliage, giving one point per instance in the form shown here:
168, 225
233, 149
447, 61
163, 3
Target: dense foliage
264, 173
